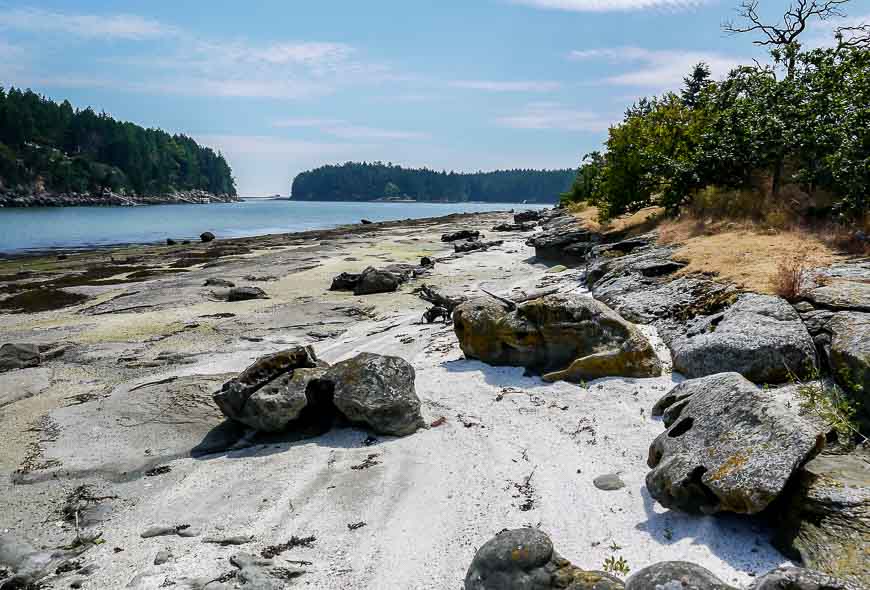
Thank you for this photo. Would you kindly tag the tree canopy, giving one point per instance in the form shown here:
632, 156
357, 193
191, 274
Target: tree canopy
373, 181
69, 150
797, 129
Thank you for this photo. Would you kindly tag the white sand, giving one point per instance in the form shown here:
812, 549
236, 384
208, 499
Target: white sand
438, 495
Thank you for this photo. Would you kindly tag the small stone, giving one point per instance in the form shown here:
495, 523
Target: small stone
162, 557
608, 482
206, 236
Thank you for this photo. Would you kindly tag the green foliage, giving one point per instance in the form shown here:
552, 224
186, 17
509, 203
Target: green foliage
810, 129
613, 565
81, 151
827, 402
372, 181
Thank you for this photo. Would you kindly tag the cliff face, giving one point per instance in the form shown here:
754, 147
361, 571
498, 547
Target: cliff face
44, 198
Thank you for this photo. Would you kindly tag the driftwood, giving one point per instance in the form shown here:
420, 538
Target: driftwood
437, 298
513, 302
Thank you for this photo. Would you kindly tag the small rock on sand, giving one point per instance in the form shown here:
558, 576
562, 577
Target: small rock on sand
609, 482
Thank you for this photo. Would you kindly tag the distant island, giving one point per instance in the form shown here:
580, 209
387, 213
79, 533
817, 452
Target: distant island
377, 181
54, 155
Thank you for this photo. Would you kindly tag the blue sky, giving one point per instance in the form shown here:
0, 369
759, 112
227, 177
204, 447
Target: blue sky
280, 86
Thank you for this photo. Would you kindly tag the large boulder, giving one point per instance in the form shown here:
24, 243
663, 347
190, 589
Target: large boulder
730, 447
524, 559
235, 394
278, 403
19, 356
527, 216
377, 391
552, 243
565, 336
825, 516
797, 578
676, 575
761, 337
373, 281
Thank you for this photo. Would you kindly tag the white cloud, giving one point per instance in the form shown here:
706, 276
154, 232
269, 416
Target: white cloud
506, 86
345, 130
610, 5
658, 69
112, 26
551, 115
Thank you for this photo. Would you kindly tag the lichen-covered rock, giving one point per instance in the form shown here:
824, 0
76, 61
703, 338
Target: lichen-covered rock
234, 394
760, 336
730, 447
798, 578
675, 575
568, 337
524, 559
848, 295
377, 391
19, 356
825, 516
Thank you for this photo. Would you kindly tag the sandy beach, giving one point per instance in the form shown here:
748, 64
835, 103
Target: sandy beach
126, 409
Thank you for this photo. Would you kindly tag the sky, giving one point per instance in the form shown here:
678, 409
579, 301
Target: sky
281, 86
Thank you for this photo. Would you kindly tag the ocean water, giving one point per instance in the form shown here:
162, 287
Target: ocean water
35, 229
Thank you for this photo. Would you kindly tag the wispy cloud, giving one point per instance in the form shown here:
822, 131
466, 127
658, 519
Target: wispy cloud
344, 130
657, 69
506, 86
610, 5
114, 26
552, 115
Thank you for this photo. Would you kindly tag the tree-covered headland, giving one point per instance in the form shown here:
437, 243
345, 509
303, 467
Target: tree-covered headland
378, 181
48, 146
787, 137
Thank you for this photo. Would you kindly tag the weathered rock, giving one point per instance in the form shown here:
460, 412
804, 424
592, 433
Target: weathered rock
256, 573
524, 559
373, 281
278, 403
608, 482
675, 575
849, 356
797, 578
19, 356
825, 516
463, 234
206, 236
377, 391
28, 564
760, 336
527, 216
163, 556
246, 294
234, 395
170, 242
365, 221
23, 384
520, 227
842, 295
346, 281
475, 245
219, 283
731, 447
568, 337
551, 244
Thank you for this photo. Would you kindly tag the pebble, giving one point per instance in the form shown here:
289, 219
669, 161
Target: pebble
609, 482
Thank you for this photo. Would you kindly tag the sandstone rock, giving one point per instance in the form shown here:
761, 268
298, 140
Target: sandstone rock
246, 294
760, 336
524, 559
206, 236
218, 283
475, 245
825, 517
373, 281
568, 337
256, 573
676, 575
731, 447
234, 394
377, 391
551, 244
520, 227
19, 356
797, 578
278, 403
463, 234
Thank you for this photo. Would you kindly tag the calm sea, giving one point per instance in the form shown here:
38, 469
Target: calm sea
34, 229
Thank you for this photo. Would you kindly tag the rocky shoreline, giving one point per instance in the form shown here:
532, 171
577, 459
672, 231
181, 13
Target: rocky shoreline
392, 395
12, 198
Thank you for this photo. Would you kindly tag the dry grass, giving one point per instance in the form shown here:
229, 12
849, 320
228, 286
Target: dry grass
791, 277
747, 255
629, 225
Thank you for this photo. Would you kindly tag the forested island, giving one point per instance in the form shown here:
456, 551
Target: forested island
54, 154
377, 181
